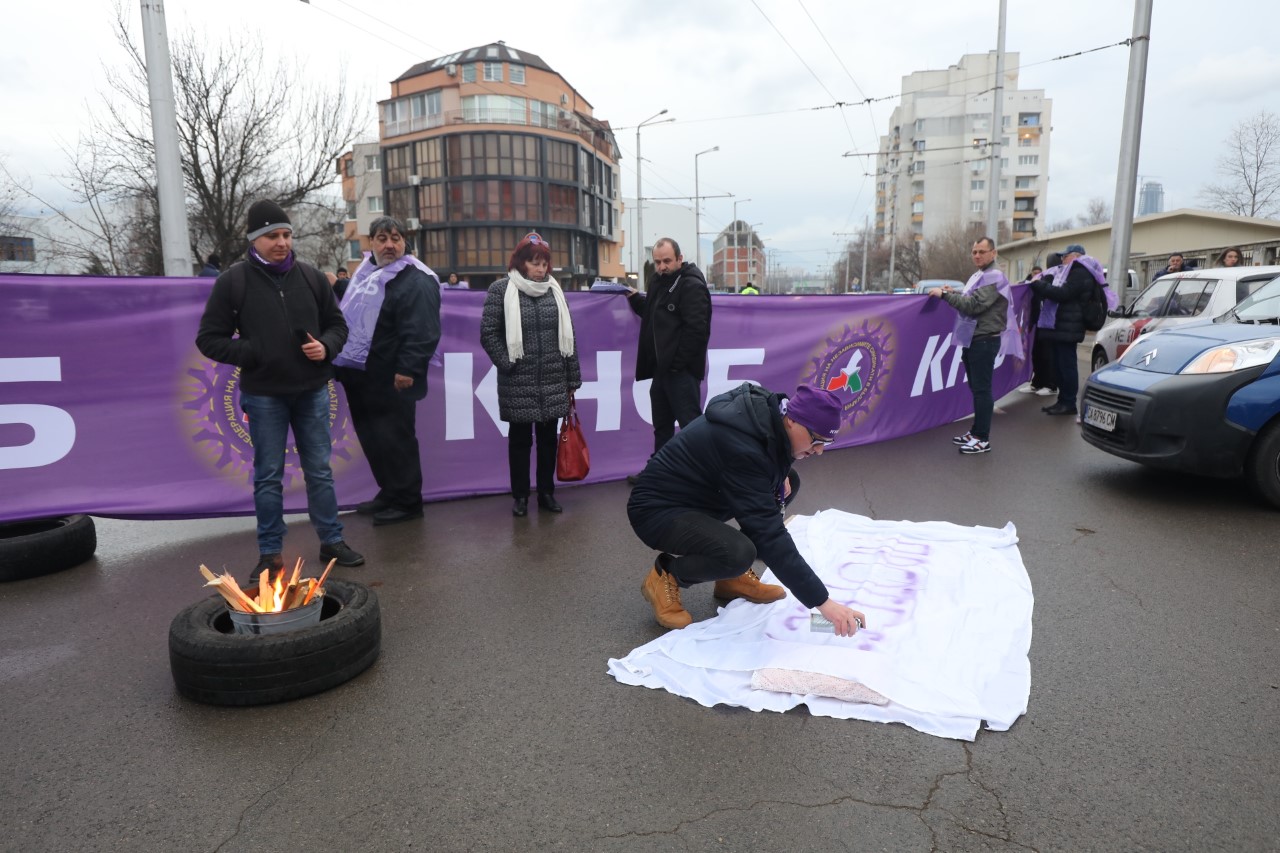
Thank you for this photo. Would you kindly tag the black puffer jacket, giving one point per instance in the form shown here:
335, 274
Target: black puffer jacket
730, 463
274, 316
535, 388
675, 324
1068, 324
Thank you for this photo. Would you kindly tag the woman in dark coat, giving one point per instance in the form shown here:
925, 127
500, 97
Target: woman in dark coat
528, 334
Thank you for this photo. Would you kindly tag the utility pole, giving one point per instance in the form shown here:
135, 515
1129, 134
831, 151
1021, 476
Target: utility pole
174, 242
1130, 144
640, 197
866, 236
997, 132
737, 243
697, 205
848, 255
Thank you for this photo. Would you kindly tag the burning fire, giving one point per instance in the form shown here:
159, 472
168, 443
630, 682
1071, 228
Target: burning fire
271, 596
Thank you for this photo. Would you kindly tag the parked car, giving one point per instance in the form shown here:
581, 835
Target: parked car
927, 284
1203, 397
1173, 300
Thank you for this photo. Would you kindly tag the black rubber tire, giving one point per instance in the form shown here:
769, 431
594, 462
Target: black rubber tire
1263, 465
210, 664
1099, 359
42, 546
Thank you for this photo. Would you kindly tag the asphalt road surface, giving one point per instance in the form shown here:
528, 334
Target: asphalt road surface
489, 722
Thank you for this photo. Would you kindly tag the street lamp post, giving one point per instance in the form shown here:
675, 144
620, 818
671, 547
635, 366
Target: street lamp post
737, 238
640, 194
697, 209
751, 248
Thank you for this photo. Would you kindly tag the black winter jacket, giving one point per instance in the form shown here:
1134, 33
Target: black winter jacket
536, 388
1069, 323
273, 320
407, 332
730, 463
675, 324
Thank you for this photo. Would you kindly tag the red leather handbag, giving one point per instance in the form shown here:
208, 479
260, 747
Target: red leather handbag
573, 459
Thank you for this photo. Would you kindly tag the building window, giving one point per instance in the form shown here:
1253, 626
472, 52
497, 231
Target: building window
918, 145
493, 154
517, 73
494, 109
352, 210
561, 161
375, 203
495, 200
398, 165
1025, 182
1029, 160
917, 207
977, 185
353, 250
493, 72
372, 163
431, 203
563, 204
1025, 204
17, 249
1028, 119
469, 73
917, 167
975, 207
434, 251
1004, 204
1004, 162
430, 164
919, 125
400, 203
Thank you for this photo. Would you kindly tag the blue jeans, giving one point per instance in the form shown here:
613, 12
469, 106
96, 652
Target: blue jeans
979, 365
269, 420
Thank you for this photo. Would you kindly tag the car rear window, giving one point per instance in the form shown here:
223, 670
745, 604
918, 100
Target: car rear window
1249, 286
1190, 297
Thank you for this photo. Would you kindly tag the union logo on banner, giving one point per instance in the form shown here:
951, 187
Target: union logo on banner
854, 364
219, 428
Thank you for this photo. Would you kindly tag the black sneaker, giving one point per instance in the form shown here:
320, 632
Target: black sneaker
341, 552
271, 562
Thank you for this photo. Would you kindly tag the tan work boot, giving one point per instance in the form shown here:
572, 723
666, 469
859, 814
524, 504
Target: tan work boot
748, 586
661, 590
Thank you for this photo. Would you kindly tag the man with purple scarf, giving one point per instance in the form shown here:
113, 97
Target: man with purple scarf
1065, 289
392, 307
276, 319
986, 329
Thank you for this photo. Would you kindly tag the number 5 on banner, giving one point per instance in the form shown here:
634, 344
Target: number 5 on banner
55, 430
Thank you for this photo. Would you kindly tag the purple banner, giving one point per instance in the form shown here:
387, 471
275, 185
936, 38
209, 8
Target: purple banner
106, 406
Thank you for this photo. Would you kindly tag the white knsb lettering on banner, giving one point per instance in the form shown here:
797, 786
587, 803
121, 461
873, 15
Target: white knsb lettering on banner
54, 429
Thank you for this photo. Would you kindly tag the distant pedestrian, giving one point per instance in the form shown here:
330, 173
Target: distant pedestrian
276, 318
212, 266
341, 279
526, 329
394, 316
1176, 263
1042, 382
1230, 257
986, 329
675, 328
1065, 289
454, 284
749, 290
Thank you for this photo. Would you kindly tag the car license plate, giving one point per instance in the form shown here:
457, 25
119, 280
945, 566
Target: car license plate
1100, 418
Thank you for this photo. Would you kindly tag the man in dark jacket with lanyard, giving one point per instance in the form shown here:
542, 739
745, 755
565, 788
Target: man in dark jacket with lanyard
1064, 290
289, 329
735, 462
675, 326
393, 311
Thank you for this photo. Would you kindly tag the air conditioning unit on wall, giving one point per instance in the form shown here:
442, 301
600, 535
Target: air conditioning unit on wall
451, 70
413, 179
412, 223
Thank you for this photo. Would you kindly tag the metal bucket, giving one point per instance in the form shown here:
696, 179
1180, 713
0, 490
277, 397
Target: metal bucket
277, 623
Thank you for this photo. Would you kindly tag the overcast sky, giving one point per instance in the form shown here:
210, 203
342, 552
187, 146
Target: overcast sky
741, 74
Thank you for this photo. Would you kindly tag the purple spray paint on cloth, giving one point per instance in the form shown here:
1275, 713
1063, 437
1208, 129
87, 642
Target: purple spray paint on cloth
1011, 337
362, 303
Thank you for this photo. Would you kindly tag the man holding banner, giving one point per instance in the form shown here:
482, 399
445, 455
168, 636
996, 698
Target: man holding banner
276, 319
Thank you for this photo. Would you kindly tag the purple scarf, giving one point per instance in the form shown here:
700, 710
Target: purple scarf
1010, 337
281, 268
362, 303
1049, 308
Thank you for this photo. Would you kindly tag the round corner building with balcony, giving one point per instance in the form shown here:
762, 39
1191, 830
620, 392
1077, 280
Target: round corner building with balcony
482, 146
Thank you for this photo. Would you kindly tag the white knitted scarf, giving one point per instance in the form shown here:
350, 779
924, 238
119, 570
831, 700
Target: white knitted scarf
517, 284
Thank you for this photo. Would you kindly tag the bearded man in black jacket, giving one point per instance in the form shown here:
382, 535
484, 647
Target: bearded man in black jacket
675, 326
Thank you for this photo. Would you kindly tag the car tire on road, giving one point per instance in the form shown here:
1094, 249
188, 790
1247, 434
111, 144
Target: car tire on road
1099, 359
42, 546
1263, 466
211, 664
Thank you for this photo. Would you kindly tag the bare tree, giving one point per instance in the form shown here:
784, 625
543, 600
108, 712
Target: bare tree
1250, 170
245, 132
1098, 212
1062, 225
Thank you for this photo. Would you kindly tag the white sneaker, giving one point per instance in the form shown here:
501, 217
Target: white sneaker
960, 440
1046, 392
976, 446
1026, 388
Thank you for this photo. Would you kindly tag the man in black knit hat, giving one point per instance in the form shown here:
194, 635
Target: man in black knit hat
289, 330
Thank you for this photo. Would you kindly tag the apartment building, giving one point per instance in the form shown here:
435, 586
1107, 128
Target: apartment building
484, 145
738, 258
934, 165
361, 171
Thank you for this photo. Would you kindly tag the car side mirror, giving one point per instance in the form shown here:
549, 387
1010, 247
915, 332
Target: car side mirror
1116, 312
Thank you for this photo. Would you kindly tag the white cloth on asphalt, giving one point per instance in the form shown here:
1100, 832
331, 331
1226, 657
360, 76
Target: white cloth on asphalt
948, 629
